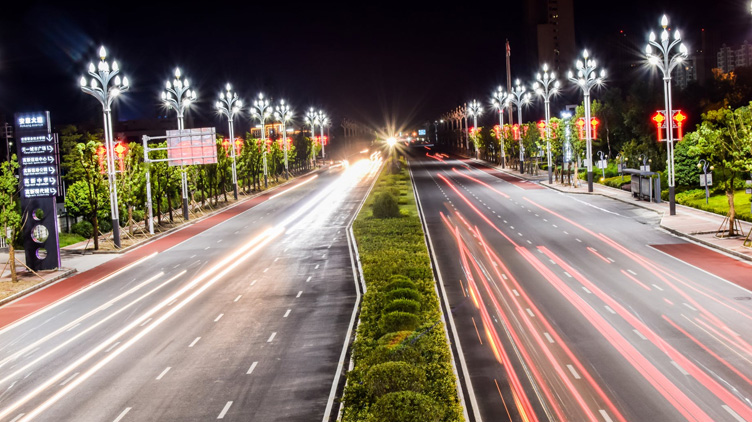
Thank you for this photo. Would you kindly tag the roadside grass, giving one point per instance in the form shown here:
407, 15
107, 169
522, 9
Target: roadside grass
70, 239
717, 203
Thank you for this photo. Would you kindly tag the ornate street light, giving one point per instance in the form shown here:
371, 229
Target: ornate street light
323, 120
666, 60
587, 78
106, 86
284, 114
474, 109
178, 96
518, 97
547, 86
311, 119
262, 110
500, 102
230, 105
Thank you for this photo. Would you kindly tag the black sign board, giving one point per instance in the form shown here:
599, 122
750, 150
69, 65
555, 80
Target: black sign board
39, 179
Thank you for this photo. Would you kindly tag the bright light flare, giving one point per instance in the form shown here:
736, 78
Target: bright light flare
391, 141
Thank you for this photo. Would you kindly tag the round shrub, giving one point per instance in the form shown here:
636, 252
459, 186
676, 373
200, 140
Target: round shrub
395, 191
385, 206
105, 225
400, 283
405, 406
83, 229
403, 305
403, 293
398, 321
389, 377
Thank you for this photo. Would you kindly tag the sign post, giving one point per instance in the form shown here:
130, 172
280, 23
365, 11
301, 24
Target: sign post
39, 179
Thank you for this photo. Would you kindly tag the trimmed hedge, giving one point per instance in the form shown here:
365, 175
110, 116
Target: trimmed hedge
402, 362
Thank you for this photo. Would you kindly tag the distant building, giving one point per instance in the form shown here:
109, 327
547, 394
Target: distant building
726, 58
553, 21
685, 72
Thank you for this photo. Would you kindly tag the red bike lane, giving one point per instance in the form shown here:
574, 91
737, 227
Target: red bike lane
42, 298
730, 269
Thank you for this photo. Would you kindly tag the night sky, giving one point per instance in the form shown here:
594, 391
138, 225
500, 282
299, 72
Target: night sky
372, 62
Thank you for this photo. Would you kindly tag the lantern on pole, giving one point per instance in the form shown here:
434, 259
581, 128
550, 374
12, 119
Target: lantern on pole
659, 120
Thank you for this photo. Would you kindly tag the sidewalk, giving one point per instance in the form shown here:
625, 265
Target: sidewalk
697, 225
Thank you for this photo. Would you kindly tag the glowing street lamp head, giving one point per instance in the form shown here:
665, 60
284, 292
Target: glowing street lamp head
82, 81
664, 21
102, 53
391, 141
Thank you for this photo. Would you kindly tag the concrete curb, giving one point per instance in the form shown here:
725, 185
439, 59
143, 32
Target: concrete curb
36, 287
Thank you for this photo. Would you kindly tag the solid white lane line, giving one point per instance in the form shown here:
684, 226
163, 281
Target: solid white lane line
271, 337
193, 343
733, 414
574, 372
224, 411
606, 418
548, 337
299, 293
586, 290
69, 378
639, 334
122, 414
608, 308
682, 370
287, 313
516, 293
529, 312
253, 366
308, 279
71, 328
159, 377
237, 298
631, 272
112, 347
218, 317
658, 287
689, 306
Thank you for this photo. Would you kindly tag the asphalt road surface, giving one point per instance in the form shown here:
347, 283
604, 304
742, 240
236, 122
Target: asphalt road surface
566, 308
243, 321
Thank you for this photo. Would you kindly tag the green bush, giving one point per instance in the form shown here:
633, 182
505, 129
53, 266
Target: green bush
411, 294
399, 282
403, 305
139, 215
390, 377
406, 406
83, 229
398, 321
385, 206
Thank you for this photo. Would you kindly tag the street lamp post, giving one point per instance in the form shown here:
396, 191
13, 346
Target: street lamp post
499, 101
177, 95
323, 120
106, 86
262, 110
547, 86
586, 79
284, 114
230, 105
703, 165
518, 97
311, 118
666, 61
474, 109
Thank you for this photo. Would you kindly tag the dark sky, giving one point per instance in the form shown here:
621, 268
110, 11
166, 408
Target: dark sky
369, 61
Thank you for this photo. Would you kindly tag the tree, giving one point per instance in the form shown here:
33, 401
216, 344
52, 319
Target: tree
724, 139
10, 210
86, 196
132, 182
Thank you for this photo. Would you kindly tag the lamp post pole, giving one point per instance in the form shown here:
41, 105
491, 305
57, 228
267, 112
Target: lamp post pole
322, 120
586, 79
311, 119
177, 95
284, 114
547, 86
230, 105
518, 97
474, 109
262, 111
500, 101
666, 61
106, 85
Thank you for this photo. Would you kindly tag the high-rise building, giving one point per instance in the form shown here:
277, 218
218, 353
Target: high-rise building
685, 72
553, 21
726, 59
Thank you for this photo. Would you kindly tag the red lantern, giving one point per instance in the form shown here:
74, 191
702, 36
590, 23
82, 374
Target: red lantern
659, 120
101, 152
542, 128
581, 127
594, 128
497, 131
121, 150
679, 118
516, 132
226, 146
